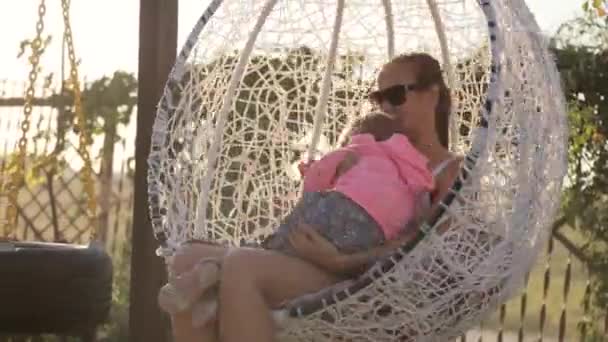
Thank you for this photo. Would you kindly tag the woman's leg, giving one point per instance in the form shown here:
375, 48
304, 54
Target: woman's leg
252, 282
190, 254
184, 331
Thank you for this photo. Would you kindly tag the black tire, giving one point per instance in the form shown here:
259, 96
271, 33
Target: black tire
53, 288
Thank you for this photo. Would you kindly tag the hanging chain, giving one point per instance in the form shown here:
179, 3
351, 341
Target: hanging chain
80, 124
17, 164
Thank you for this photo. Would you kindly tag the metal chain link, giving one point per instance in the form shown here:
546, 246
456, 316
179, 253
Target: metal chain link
84, 140
17, 165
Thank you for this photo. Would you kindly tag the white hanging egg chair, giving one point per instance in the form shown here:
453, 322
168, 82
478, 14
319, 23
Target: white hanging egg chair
259, 82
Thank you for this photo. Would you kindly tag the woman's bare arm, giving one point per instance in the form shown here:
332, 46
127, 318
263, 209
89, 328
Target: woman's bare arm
314, 248
348, 264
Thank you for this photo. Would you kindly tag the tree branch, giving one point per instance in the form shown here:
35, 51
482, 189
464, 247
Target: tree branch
571, 247
578, 253
575, 250
558, 224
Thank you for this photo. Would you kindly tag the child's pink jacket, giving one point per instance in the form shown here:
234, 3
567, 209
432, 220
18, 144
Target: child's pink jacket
386, 181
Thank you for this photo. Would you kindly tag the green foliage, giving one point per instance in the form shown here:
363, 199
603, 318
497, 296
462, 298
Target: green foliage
107, 103
109, 100
582, 55
595, 7
25, 44
589, 31
117, 328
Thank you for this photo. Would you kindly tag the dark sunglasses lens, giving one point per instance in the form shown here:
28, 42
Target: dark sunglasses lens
375, 97
395, 95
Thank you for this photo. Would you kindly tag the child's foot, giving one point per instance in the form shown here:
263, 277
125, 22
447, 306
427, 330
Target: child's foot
183, 291
204, 311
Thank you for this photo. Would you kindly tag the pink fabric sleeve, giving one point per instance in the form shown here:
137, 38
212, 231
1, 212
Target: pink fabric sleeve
321, 174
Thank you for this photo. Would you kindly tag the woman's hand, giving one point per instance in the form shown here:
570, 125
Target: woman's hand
312, 246
304, 165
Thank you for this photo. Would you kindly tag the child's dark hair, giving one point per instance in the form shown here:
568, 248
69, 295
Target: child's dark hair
381, 125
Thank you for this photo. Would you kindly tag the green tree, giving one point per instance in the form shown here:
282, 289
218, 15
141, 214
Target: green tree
584, 67
596, 7
108, 103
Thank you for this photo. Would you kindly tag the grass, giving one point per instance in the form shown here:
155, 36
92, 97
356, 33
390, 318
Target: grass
557, 302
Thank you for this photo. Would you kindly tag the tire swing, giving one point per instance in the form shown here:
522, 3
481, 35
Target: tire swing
52, 288
249, 93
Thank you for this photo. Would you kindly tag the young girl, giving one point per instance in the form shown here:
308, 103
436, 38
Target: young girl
341, 201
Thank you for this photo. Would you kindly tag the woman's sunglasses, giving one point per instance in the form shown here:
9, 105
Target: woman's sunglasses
395, 95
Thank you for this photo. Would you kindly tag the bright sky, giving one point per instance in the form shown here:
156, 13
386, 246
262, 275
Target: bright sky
106, 32
106, 39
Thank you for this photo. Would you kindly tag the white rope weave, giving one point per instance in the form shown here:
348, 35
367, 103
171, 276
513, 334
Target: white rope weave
257, 84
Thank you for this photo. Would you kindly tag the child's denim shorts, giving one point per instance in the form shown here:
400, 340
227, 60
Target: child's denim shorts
339, 219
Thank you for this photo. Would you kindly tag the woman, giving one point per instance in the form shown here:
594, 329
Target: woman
253, 281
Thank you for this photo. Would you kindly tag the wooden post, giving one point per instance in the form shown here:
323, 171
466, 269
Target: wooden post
157, 51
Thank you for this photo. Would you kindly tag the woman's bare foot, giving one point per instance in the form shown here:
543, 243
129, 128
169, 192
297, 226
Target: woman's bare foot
179, 294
